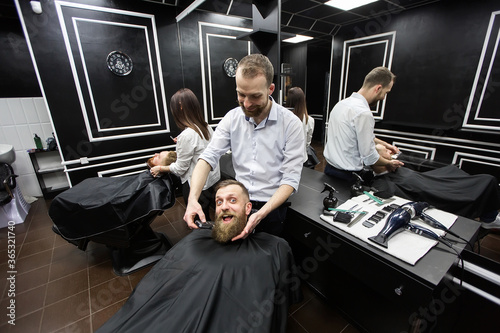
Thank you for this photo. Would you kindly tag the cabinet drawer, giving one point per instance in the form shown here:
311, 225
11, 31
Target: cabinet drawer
362, 265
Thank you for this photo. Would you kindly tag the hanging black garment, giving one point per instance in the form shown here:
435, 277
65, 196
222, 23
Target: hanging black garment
448, 188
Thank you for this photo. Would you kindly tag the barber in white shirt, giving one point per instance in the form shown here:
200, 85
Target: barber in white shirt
350, 139
267, 146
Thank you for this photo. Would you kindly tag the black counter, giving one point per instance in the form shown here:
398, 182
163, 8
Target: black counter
374, 290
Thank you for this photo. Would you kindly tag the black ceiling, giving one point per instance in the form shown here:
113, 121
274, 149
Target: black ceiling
307, 17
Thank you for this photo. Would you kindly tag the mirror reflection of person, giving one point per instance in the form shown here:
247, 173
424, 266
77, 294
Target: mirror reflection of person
267, 149
296, 101
350, 138
194, 138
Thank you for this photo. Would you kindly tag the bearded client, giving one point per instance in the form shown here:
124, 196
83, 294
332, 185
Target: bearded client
208, 283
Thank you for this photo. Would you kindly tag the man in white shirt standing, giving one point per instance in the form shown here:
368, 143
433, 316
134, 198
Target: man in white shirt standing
350, 139
267, 146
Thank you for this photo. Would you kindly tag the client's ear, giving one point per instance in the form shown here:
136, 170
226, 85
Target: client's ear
248, 208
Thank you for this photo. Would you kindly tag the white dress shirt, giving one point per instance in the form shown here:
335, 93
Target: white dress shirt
350, 140
264, 156
189, 148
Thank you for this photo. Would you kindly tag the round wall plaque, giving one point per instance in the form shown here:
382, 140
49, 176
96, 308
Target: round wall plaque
230, 65
119, 63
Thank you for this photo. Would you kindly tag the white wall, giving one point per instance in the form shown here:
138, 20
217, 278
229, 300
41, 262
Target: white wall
20, 119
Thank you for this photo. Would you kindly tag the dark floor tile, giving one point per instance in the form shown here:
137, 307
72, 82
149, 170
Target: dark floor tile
27, 324
491, 242
25, 303
175, 213
101, 273
34, 261
67, 264
350, 329
37, 246
493, 255
80, 326
100, 317
3, 279
97, 254
67, 286
108, 293
307, 295
65, 312
67, 250
293, 326
32, 279
38, 234
40, 221
159, 221
316, 316
61, 241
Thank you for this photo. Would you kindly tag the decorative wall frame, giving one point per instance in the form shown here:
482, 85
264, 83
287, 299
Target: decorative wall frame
482, 108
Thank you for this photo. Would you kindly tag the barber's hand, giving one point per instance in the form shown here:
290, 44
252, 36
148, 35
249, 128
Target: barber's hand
193, 208
393, 165
252, 222
156, 171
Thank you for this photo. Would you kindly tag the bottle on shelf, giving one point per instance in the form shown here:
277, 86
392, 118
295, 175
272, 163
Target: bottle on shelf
38, 142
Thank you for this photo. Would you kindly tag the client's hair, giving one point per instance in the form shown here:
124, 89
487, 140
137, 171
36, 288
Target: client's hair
379, 75
297, 100
227, 182
169, 159
186, 110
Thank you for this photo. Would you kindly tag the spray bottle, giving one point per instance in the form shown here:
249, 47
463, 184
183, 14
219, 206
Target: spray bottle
330, 201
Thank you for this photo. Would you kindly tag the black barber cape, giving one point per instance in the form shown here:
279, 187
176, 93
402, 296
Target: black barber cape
202, 286
101, 204
448, 188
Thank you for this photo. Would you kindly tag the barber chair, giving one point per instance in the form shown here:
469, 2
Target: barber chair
116, 212
14, 208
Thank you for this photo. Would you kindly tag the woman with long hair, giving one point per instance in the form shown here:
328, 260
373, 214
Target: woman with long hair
296, 102
194, 138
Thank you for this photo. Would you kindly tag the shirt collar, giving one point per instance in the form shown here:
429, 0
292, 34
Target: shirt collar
361, 98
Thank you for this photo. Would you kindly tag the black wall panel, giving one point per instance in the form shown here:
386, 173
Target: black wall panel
17, 74
103, 120
109, 124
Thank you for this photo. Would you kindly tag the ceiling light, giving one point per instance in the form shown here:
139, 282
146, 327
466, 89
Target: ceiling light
297, 39
348, 4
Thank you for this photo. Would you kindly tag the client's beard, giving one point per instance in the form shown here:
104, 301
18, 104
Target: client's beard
224, 232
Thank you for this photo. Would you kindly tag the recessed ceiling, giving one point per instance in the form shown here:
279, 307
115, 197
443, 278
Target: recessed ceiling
307, 17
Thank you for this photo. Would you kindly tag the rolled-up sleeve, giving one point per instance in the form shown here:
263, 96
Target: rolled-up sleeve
364, 124
219, 144
294, 154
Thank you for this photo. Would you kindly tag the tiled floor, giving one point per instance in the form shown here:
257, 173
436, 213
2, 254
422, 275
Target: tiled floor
59, 288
